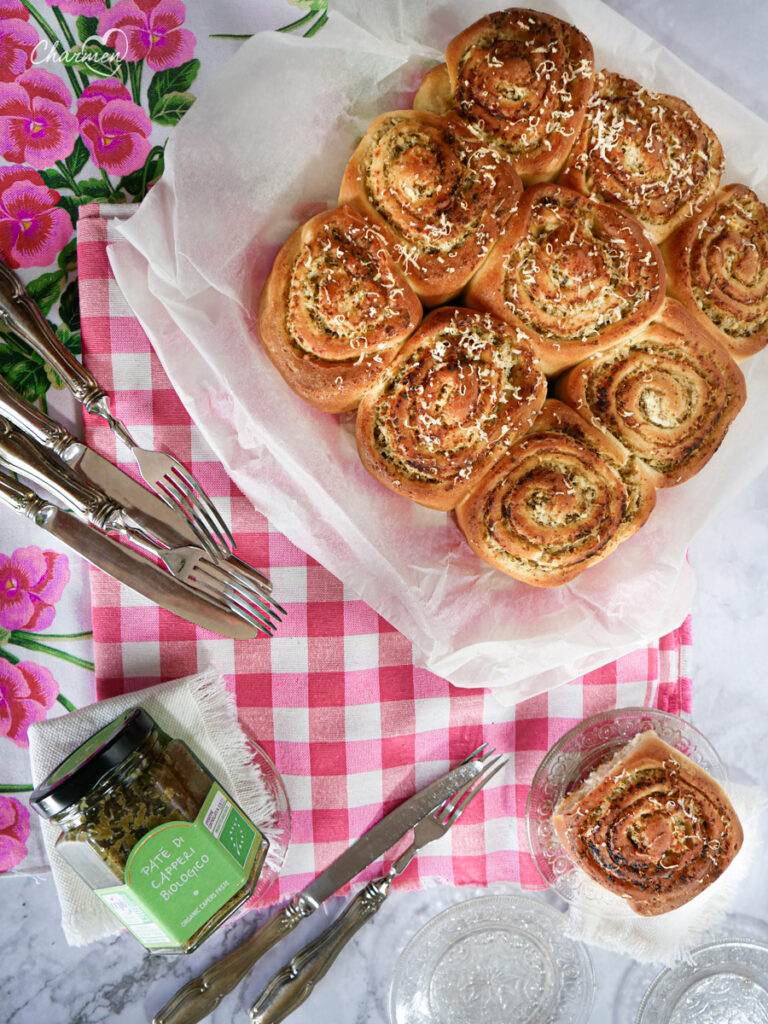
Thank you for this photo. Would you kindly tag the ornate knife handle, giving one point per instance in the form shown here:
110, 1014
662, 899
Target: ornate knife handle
20, 499
202, 995
47, 432
25, 456
295, 982
18, 313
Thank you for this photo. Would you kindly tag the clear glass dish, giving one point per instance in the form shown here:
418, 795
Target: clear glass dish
720, 983
638, 977
493, 960
564, 768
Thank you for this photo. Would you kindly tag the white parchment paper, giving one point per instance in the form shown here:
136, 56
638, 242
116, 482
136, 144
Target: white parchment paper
260, 152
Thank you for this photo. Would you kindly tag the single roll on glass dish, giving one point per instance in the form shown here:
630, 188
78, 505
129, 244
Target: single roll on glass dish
460, 391
646, 150
335, 309
581, 275
439, 196
561, 499
668, 394
520, 81
717, 266
650, 825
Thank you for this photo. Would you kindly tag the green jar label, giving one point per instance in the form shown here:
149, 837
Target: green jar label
181, 873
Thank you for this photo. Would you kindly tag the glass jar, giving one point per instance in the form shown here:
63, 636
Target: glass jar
152, 833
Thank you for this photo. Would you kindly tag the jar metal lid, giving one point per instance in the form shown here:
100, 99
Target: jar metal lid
78, 773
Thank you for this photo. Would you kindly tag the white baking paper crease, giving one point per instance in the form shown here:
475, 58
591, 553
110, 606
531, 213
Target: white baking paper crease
260, 152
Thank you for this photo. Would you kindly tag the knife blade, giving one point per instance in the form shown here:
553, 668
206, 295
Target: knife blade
202, 995
132, 569
143, 507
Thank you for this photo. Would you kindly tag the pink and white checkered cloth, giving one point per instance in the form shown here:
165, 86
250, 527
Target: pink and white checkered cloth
335, 699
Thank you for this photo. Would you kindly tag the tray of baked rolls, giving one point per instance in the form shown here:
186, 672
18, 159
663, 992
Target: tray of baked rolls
494, 289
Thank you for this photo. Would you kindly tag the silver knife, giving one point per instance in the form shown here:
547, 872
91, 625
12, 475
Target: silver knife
125, 565
144, 508
202, 995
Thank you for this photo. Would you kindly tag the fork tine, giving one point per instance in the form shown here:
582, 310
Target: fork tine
481, 781
226, 574
223, 600
234, 594
205, 502
233, 606
173, 502
449, 806
186, 500
230, 594
477, 753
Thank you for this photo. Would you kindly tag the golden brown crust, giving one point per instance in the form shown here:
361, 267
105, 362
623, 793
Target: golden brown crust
460, 390
648, 151
554, 505
335, 309
520, 81
580, 274
668, 394
434, 95
717, 264
654, 828
440, 198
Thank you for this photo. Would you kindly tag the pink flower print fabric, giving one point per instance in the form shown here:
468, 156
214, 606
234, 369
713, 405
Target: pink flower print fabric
31, 583
27, 691
151, 30
37, 126
18, 40
14, 832
115, 130
88, 8
33, 230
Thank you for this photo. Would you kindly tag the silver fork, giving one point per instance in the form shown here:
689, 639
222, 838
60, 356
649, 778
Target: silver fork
220, 581
294, 983
162, 472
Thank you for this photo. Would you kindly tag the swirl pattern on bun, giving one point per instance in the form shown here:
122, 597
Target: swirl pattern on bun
520, 81
439, 197
556, 503
579, 274
717, 265
650, 826
462, 388
335, 309
668, 394
646, 150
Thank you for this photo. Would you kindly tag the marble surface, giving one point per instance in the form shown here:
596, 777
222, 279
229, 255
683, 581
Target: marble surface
42, 979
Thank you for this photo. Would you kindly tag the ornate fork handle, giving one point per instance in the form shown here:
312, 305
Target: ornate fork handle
295, 982
21, 315
202, 995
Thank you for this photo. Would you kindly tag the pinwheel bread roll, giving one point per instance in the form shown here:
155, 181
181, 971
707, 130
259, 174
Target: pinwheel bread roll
462, 388
579, 274
717, 264
335, 309
668, 394
646, 150
439, 196
520, 81
560, 500
650, 826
